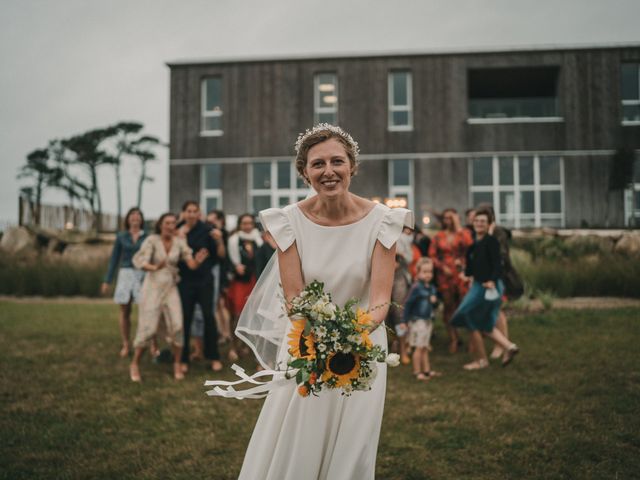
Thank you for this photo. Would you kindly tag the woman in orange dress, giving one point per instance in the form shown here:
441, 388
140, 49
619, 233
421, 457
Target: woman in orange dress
448, 251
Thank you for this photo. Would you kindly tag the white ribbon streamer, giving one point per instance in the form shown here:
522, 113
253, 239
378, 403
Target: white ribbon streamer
261, 389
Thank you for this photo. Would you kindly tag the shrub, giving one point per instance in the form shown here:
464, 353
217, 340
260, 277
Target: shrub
49, 277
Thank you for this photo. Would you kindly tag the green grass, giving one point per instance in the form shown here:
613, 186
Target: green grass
567, 407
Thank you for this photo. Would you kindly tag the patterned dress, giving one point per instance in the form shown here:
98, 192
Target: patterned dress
160, 295
450, 253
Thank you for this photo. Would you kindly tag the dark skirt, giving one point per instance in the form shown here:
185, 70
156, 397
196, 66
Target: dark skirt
476, 313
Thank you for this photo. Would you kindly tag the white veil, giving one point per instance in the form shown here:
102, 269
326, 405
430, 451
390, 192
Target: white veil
263, 321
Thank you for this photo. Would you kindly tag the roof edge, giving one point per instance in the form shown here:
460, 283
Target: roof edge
403, 53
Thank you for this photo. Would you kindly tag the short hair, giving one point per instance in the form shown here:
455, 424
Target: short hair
186, 204
322, 135
423, 261
158, 227
131, 211
486, 211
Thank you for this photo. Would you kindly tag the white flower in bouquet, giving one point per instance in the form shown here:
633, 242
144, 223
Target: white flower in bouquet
346, 348
320, 331
329, 310
334, 335
393, 359
322, 347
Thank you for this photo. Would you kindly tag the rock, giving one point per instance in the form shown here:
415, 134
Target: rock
590, 244
19, 241
87, 254
629, 244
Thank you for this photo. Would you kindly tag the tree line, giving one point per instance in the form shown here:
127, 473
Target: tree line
71, 165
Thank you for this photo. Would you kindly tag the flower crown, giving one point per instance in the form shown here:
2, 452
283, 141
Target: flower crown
321, 127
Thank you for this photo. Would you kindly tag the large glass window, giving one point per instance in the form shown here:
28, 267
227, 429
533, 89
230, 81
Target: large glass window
274, 184
630, 93
325, 99
211, 100
513, 94
632, 197
211, 197
401, 180
525, 190
400, 101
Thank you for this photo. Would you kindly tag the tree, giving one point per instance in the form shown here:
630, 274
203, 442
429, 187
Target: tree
143, 148
123, 133
37, 168
87, 153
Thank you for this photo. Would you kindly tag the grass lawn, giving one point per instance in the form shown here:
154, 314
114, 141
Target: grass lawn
566, 408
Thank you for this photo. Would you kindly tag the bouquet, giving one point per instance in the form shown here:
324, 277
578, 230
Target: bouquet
330, 346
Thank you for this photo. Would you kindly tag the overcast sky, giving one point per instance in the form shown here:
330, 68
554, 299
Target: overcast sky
68, 66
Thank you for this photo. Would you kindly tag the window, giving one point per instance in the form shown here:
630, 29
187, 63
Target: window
400, 101
211, 107
631, 93
275, 184
325, 99
211, 197
632, 197
513, 94
525, 191
401, 180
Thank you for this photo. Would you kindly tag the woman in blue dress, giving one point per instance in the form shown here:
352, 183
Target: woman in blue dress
130, 278
480, 307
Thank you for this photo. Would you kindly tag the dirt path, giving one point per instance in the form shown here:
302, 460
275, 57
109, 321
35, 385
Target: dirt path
576, 303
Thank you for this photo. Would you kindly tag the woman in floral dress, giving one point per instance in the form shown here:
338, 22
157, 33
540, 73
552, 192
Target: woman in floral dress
448, 251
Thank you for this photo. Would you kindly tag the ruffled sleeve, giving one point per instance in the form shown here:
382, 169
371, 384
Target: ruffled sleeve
277, 223
394, 220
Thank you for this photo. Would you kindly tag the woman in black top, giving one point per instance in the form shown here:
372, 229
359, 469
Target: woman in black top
480, 307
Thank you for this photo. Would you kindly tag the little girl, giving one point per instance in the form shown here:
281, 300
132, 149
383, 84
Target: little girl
419, 313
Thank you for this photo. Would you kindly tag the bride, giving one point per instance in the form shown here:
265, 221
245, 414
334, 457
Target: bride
348, 243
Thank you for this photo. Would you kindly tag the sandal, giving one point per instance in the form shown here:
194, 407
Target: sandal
432, 373
476, 364
508, 356
178, 374
421, 377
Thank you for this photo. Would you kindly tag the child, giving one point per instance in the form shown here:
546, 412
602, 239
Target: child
419, 313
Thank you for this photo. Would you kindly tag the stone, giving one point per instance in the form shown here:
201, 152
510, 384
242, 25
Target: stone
628, 244
19, 241
82, 253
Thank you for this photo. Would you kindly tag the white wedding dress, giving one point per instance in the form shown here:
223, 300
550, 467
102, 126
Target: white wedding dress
330, 436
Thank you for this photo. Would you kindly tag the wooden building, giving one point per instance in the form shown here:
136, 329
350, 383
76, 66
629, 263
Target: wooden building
548, 136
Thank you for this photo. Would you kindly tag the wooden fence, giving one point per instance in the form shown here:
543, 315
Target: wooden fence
61, 217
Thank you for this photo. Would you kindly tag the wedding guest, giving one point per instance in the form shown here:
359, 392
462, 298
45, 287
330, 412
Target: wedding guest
221, 278
479, 310
159, 256
399, 292
422, 241
513, 285
447, 250
196, 285
243, 244
129, 281
265, 252
197, 324
405, 245
419, 312
416, 251
469, 215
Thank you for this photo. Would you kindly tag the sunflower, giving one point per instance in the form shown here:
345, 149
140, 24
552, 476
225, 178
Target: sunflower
301, 345
343, 366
